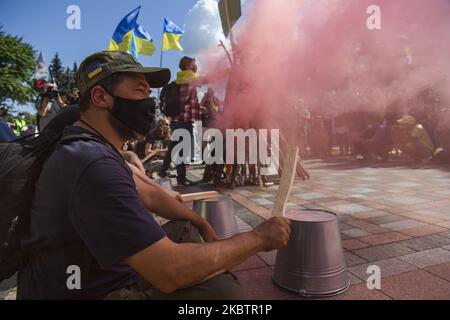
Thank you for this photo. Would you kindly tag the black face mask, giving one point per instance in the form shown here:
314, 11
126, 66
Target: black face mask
137, 115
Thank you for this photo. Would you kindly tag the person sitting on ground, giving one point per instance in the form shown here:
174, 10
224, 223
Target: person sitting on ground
418, 144
375, 143
157, 144
87, 210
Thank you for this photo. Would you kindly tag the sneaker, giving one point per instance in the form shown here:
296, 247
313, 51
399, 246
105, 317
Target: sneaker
185, 183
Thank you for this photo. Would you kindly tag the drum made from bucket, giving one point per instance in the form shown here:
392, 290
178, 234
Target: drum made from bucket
219, 212
312, 263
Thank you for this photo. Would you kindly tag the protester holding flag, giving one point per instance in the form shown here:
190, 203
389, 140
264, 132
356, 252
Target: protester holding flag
171, 36
131, 37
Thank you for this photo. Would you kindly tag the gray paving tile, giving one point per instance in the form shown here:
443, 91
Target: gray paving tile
388, 267
243, 192
445, 234
406, 200
370, 179
350, 208
263, 201
406, 184
402, 225
345, 237
344, 226
427, 258
444, 209
361, 190
266, 195
354, 279
383, 252
426, 242
242, 225
385, 219
311, 195
268, 257
430, 213
345, 218
328, 199
355, 232
352, 259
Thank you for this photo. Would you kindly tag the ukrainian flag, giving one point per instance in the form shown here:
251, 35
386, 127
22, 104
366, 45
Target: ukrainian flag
132, 37
171, 36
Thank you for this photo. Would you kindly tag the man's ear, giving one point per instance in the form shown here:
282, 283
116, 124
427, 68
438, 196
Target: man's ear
100, 98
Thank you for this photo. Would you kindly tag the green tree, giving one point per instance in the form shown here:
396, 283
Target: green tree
57, 70
66, 81
75, 68
17, 63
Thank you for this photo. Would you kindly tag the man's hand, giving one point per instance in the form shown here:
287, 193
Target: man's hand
274, 233
175, 195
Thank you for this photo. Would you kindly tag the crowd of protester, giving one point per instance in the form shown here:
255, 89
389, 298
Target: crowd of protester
416, 133
108, 180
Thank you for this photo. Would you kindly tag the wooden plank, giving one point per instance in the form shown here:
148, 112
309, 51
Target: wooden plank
188, 197
286, 182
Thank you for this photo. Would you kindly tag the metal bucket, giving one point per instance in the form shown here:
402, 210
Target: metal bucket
312, 263
220, 214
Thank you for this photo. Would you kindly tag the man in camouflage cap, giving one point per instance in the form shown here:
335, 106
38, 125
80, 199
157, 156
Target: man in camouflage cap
89, 212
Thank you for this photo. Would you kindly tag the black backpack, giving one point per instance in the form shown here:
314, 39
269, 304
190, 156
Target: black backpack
21, 163
170, 100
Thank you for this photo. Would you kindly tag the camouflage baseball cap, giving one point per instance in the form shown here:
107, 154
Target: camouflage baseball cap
101, 65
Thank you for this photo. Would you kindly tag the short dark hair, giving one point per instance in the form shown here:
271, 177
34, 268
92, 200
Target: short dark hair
110, 83
185, 62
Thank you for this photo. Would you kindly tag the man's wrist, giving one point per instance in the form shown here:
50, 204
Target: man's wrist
258, 239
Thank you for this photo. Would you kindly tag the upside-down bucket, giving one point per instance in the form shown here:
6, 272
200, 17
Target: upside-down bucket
219, 212
312, 263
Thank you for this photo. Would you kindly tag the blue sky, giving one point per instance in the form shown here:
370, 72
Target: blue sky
43, 25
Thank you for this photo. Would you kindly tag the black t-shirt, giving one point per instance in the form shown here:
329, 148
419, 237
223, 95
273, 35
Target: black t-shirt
85, 198
152, 138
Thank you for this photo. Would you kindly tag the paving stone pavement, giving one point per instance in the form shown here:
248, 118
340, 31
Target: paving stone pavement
390, 215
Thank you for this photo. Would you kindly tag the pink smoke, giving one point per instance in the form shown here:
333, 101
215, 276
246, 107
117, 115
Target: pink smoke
322, 52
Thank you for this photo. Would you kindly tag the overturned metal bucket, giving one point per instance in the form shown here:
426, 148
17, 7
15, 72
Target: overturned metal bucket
312, 264
219, 212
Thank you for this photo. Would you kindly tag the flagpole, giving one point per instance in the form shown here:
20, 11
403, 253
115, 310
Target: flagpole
160, 65
160, 62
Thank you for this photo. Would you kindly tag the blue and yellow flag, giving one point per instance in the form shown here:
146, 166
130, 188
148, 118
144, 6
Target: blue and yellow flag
132, 37
171, 36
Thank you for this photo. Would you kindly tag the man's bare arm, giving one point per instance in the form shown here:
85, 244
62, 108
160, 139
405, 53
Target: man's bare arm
157, 200
170, 266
